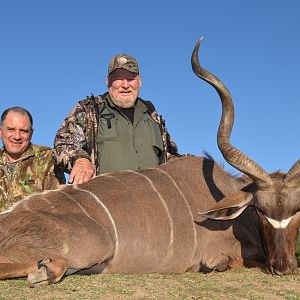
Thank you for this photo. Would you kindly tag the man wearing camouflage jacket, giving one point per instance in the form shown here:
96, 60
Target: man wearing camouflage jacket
24, 168
115, 131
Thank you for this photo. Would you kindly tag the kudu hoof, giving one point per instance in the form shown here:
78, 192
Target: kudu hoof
40, 277
219, 262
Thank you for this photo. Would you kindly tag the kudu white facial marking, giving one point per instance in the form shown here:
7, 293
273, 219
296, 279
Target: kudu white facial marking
279, 224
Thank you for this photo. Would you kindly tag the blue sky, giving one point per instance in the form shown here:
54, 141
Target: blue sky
54, 53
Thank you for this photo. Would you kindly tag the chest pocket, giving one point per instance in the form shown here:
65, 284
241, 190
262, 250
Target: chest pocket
108, 127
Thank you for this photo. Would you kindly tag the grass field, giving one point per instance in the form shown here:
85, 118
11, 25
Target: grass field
234, 284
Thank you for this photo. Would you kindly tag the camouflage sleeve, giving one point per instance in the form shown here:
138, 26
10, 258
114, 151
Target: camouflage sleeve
52, 175
3, 189
54, 178
170, 146
70, 140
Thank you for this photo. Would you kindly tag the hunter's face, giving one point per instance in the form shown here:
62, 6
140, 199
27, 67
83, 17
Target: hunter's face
124, 87
16, 133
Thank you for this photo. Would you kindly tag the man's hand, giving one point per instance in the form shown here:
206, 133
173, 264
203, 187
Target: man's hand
83, 170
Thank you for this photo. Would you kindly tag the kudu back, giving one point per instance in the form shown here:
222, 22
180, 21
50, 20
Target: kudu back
186, 215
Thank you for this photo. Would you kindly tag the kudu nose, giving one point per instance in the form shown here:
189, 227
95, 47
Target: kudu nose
284, 267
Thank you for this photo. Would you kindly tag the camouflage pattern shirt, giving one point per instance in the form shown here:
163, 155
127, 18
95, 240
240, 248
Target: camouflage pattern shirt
76, 137
32, 173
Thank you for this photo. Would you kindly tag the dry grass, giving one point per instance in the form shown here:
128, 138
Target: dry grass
234, 284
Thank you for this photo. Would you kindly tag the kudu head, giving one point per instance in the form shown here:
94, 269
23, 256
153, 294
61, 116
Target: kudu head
276, 197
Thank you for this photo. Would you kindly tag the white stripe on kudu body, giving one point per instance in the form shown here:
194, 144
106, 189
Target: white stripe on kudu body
83, 210
27, 198
187, 204
279, 224
107, 212
170, 250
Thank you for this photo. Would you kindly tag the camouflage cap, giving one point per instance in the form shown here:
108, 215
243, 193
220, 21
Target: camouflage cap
123, 61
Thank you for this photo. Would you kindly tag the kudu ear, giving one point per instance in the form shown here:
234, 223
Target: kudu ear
229, 207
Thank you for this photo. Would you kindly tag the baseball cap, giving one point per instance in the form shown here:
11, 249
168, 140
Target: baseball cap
123, 61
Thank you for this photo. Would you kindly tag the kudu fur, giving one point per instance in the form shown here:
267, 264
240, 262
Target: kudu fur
186, 215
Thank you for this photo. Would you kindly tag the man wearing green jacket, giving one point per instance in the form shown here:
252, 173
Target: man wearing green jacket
115, 131
24, 168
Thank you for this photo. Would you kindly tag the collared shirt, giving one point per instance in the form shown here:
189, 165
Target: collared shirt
77, 136
34, 172
128, 144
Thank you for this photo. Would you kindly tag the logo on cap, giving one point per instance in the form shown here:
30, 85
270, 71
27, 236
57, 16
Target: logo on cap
123, 61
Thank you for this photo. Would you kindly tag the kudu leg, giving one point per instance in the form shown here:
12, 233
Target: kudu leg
46, 271
222, 262
15, 270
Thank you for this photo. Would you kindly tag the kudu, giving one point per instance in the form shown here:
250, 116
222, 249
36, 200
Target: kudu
149, 221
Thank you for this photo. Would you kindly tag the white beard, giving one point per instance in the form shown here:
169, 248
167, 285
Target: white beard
123, 103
